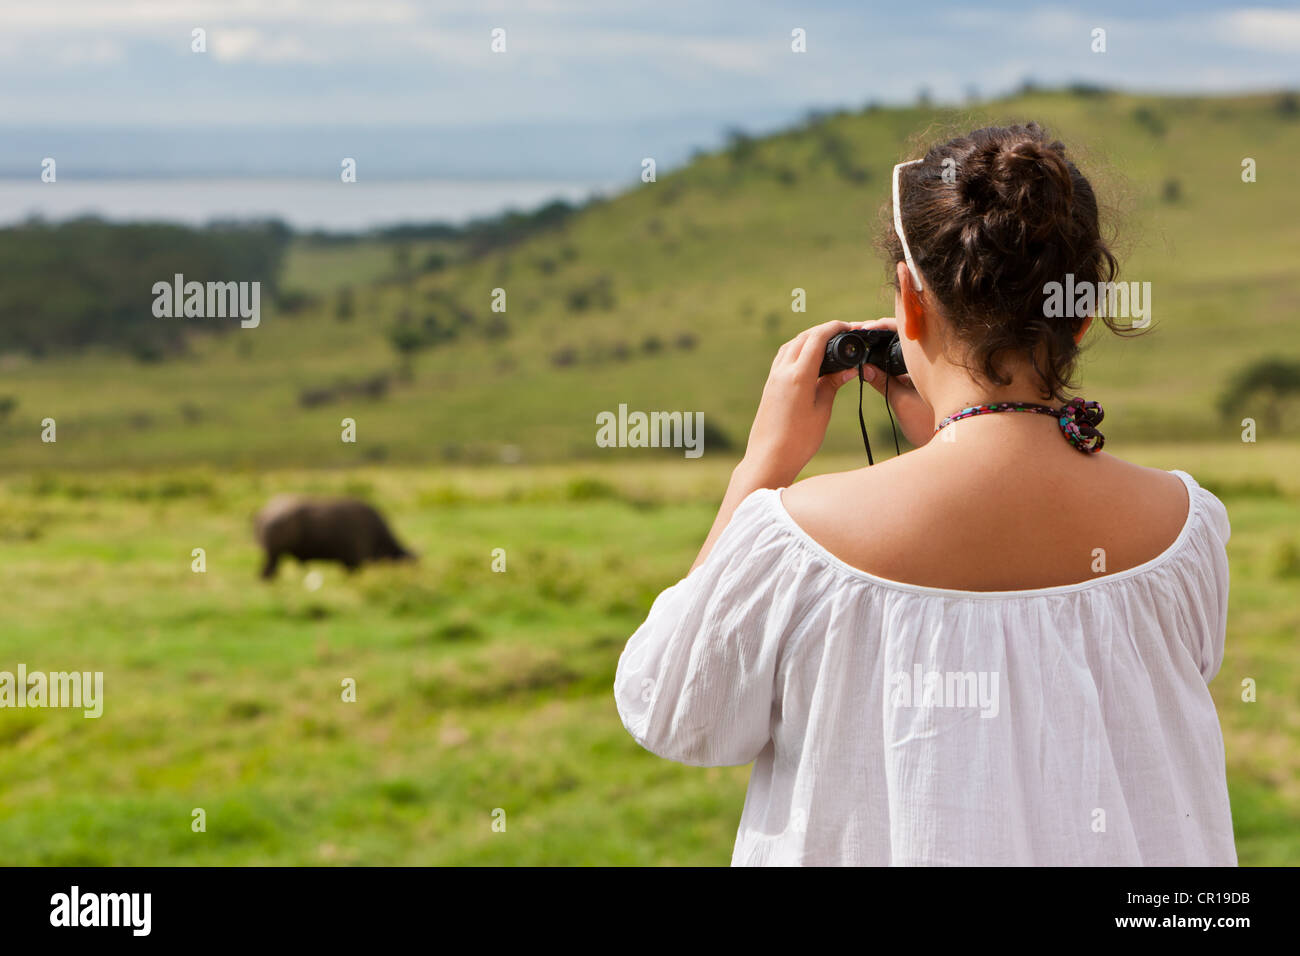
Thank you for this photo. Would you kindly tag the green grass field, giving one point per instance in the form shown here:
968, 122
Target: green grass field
476, 690
480, 691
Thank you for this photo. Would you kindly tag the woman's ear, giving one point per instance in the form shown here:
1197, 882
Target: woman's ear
911, 318
1083, 328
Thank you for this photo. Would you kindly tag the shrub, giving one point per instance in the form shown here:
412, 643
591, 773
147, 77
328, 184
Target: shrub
589, 489
1087, 90
599, 292
405, 338
715, 439
293, 301
459, 627
1265, 385
374, 388
741, 148
147, 351
1287, 562
1147, 118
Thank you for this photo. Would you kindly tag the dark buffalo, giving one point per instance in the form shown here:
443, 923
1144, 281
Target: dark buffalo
337, 529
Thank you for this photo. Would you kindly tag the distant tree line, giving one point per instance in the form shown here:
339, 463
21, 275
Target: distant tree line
68, 286
478, 236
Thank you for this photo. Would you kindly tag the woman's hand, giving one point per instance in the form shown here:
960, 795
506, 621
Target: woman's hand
915, 417
796, 407
795, 410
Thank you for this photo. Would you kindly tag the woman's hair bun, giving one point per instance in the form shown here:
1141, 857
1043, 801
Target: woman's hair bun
1022, 175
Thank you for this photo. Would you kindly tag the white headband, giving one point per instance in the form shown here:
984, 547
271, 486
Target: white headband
898, 227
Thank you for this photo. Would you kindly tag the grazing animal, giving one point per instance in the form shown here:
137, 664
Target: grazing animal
337, 529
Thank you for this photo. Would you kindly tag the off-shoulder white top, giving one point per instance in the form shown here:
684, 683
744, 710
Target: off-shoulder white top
892, 723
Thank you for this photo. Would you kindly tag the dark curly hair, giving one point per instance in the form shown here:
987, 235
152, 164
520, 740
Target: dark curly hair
988, 231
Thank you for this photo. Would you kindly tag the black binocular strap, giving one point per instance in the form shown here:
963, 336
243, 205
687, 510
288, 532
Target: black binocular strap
862, 422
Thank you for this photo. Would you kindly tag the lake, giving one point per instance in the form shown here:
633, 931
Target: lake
302, 204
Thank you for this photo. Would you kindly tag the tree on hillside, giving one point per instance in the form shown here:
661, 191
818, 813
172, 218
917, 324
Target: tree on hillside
345, 306
1261, 390
741, 147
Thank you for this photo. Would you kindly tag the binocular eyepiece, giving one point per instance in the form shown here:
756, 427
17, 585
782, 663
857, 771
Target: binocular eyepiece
878, 347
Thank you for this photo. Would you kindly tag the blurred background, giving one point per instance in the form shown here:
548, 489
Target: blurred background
141, 140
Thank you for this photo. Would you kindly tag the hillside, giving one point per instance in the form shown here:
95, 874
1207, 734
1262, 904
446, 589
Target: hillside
674, 296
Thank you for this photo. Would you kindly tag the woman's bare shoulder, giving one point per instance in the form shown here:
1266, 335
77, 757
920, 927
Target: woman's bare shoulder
974, 523
812, 495
832, 504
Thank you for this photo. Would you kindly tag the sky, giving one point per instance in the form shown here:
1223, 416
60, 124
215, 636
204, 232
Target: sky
573, 70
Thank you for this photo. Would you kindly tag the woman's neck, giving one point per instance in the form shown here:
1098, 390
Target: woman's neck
956, 391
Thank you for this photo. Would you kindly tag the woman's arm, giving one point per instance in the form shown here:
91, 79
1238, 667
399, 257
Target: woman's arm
746, 478
790, 423
697, 679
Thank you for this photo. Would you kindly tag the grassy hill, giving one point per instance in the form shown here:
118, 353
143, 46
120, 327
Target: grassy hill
675, 295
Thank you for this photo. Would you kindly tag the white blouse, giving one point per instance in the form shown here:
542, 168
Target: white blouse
897, 724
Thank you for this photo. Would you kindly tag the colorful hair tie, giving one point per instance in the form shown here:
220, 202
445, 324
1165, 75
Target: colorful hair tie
1079, 420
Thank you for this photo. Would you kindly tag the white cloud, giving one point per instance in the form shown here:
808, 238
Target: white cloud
235, 44
93, 51
731, 56
725, 54
1277, 31
148, 15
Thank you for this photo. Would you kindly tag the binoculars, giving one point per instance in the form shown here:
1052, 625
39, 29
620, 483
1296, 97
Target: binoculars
878, 347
